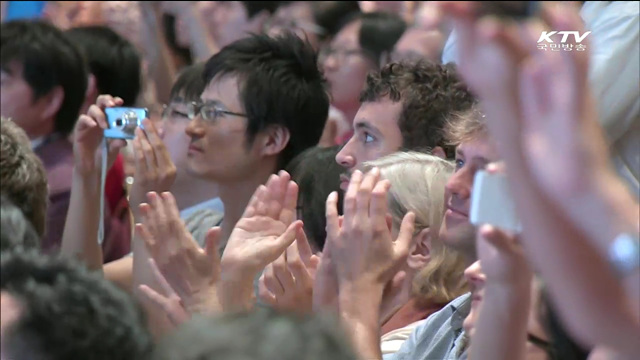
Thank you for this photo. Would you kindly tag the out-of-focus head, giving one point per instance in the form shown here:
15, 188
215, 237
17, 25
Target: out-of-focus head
317, 175
417, 44
318, 21
259, 335
16, 232
114, 63
474, 151
44, 78
264, 102
354, 52
417, 185
60, 311
22, 175
234, 20
404, 106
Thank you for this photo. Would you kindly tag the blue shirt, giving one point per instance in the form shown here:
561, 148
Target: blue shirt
440, 336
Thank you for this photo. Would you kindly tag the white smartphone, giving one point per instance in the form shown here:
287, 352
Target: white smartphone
492, 204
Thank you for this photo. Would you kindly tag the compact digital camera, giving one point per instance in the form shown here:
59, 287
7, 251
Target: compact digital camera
123, 122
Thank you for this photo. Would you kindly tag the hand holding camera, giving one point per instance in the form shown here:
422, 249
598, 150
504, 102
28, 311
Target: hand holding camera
89, 133
154, 169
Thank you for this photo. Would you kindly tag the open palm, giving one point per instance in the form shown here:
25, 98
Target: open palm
266, 228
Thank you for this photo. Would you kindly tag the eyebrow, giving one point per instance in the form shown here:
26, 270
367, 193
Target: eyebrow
365, 125
478, 159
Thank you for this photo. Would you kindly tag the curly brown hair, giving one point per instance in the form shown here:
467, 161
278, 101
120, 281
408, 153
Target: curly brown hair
23, 177
429, 92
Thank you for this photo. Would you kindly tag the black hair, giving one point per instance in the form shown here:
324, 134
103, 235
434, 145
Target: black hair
16, 232
189, 85
317, 174
255, 7
280, 85
67, 313
263, 334
562, 345
332, 15
112, 59
379, 32
49, 59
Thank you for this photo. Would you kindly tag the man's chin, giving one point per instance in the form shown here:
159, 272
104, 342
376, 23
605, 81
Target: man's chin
460, 236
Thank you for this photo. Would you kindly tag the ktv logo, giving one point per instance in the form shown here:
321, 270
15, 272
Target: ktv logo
546, 36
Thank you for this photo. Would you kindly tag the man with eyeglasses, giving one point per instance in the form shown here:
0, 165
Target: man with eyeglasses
265, 102
196, 198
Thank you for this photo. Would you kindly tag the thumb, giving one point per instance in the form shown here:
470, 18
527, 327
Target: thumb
304, 249
286, 239
211, 244
405, 240
314, 261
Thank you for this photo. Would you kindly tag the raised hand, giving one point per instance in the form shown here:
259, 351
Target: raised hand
88, 135
154, 169
191, 271
266, 228
364, 250
287, 283
263, 233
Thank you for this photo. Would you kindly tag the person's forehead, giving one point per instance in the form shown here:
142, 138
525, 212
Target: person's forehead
383, 114
348, 34
223, 90
479, 147
295, 10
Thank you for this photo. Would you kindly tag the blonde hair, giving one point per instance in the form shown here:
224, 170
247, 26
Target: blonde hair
465, 126
417, 184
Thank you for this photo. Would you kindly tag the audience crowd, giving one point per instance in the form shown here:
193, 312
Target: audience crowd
320, 180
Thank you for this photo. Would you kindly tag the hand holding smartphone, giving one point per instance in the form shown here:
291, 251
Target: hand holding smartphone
492, 204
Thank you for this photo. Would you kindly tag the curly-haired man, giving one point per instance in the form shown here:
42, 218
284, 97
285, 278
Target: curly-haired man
404, 106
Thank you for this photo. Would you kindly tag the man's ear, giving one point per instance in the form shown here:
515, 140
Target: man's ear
273, 140
439, 152
52, 102
421, 253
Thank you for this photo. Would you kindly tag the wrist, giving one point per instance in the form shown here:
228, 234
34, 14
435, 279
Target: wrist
353, 296
204, 302
87, 178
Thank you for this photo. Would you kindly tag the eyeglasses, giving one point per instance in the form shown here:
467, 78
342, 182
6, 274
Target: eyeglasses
208, 112
170, 113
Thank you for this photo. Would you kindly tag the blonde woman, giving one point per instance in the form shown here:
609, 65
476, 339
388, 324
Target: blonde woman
434, 273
